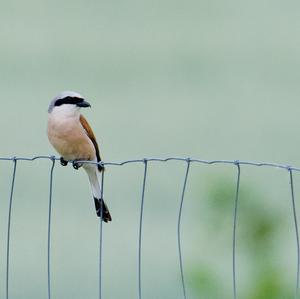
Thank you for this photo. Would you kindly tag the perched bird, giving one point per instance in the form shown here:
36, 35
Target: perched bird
72, 137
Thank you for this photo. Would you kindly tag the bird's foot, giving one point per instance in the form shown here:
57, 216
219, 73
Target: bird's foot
76, 165
63, 162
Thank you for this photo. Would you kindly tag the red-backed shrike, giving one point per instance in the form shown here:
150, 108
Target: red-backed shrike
72, 137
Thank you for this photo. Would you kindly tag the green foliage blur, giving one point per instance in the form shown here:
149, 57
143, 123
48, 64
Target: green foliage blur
258, 231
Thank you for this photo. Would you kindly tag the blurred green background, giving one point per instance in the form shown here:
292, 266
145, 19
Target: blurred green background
204, 79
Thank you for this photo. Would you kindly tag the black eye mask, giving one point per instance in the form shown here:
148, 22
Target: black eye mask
68, 100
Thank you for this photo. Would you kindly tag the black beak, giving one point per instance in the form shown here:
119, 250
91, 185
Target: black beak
83, 104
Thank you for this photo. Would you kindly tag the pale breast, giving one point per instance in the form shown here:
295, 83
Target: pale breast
70, 140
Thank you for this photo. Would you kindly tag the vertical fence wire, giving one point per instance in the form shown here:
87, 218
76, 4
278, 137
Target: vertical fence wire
49, 227
140, 231
296, 230
234, 229
179, 228
101, 235
9, 225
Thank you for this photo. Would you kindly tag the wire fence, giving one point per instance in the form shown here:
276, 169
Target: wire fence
145, 161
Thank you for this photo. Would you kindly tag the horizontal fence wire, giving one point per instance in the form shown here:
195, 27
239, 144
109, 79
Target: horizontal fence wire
145, 161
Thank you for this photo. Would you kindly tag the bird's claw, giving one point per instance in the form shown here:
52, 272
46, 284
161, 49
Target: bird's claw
76, 165
63, 162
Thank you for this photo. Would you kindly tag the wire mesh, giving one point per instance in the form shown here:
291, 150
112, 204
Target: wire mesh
145, 161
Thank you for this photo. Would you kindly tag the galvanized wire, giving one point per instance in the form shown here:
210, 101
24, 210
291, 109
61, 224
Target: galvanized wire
101, 236
234, 229
49, 226
9, 224
296, 231
179, 228
201, 161
140, 230
145, 162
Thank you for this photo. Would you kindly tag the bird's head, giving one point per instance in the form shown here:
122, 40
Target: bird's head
68, 102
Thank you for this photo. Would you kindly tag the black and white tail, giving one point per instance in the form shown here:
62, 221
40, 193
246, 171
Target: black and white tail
100, 206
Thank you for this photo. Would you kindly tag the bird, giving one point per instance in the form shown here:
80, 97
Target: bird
72, 137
